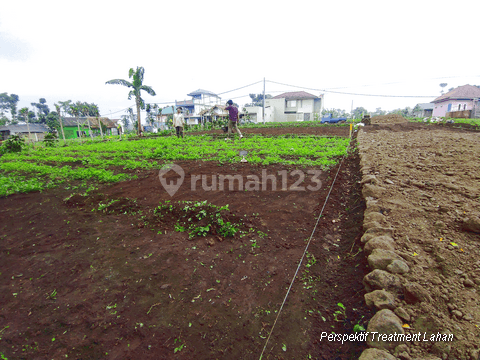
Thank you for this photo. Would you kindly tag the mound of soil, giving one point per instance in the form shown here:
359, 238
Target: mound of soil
388, 119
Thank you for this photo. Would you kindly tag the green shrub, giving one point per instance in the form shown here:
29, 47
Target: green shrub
50, 139
14, 143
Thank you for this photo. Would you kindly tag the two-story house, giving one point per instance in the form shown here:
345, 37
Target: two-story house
293, 106
201, 100
462, 101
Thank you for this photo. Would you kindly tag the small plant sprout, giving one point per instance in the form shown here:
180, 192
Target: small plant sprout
358, 327
52, 295
179, 347
341, 312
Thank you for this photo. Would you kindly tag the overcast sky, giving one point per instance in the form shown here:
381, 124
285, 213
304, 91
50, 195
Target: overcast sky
67, 50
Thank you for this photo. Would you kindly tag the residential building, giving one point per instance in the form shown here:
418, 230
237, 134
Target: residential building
252, 113
37, 131
214, 113
462, 101
423, 110
72, 126
162, 119
201, 100
293, 106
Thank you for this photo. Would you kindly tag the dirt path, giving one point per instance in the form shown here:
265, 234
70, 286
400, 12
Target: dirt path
89, 278
422, 185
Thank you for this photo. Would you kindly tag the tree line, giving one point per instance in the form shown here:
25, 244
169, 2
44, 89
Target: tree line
40, 112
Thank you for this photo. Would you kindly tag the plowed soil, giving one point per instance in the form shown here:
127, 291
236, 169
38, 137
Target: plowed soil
83, 280
426, 182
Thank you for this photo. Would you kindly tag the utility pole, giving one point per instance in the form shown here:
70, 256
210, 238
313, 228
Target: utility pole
263, 101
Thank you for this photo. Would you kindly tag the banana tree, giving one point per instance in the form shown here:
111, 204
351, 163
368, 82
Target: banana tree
137, 86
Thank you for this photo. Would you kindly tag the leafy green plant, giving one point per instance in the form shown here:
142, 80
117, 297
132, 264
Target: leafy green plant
13, 144
228, 229
50, 139
103, 207
310, 260
357, 327
199, 231
179, 227
341, 312
179, 347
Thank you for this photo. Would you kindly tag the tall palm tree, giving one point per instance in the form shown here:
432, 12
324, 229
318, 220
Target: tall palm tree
85, 111
96, 113
137, 85
57, 106
65, 105
24, 111
75, 111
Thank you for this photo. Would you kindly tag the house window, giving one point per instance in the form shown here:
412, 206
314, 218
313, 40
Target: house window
459, 107
464, 106
292, 103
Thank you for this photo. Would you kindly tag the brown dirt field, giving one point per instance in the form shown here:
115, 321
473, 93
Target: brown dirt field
83, 283
425, 180
388, 119
326, 130
123, 284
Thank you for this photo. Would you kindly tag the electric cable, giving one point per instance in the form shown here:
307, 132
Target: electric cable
356, 94
118, 111
240, 87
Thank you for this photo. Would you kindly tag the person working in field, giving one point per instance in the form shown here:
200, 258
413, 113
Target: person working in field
179, 122
233, 118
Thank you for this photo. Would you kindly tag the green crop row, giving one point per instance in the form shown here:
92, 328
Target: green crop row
95, 161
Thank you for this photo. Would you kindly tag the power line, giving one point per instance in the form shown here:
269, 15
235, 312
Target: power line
356, 94
398, 82
117, 111
240, 87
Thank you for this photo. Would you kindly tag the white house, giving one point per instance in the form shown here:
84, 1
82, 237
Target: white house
201, 100
253, 113
293, 106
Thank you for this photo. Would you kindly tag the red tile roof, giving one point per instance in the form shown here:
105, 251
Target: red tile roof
461, 92
295, 95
